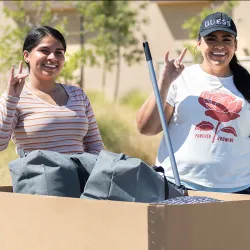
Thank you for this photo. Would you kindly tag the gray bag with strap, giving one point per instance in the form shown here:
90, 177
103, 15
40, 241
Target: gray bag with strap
123, 178
50, 173
108, 176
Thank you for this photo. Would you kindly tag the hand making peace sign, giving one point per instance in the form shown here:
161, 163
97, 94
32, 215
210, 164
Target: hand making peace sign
172, 68
16, 83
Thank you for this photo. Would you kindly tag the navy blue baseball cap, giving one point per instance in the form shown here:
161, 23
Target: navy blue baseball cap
217, 21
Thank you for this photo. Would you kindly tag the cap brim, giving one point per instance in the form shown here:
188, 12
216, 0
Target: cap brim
208, 31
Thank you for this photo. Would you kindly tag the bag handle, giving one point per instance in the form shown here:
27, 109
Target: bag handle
160, 169
21, 153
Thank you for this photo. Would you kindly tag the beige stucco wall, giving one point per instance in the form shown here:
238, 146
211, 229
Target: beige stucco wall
242, 21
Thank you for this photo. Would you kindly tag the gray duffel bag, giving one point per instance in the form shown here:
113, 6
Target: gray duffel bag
123, 178
109, 176
50, 173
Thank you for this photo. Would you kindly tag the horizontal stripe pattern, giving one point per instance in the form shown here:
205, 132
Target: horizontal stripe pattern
34, 124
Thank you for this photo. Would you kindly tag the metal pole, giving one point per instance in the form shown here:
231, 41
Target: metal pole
161, 113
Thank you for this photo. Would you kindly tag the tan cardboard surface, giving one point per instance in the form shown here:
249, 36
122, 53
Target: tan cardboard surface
30, 222
208, 226
156, 233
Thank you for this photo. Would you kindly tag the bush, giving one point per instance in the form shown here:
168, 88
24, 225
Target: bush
134, 99
118, 129
6, 156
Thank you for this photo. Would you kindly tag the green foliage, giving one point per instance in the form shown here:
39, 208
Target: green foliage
13, 36
196, 54
193, 24
74, 61
118, 129
6, 156
114, 133
134, 99
113, 24
98, 98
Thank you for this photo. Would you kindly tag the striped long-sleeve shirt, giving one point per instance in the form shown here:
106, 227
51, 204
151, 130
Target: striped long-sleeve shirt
35, 124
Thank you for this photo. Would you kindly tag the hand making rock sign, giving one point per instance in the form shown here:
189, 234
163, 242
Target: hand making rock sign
148, 119
16, 83
172, 68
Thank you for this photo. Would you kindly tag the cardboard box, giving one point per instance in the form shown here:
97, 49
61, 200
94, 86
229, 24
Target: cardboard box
31, 222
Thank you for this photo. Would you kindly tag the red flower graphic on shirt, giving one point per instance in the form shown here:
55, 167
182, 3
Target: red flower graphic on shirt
222, 107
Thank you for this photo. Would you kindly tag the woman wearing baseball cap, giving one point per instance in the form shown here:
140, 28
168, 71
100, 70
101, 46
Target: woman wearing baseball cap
208, 111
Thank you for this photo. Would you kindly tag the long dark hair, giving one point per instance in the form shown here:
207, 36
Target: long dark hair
35, 36
241, 76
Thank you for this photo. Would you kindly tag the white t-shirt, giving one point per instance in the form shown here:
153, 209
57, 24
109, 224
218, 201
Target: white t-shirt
209, 130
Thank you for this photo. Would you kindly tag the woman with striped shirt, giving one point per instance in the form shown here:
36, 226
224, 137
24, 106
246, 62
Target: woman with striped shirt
42, 113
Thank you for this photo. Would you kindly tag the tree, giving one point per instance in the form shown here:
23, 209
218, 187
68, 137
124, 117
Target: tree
112, 24
74, 61
193, 24
13, 36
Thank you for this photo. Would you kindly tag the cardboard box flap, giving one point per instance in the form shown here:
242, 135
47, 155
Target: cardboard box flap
31, 222
206, 226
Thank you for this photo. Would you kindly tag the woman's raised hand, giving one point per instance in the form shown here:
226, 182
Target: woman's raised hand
16, 83
172, 68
